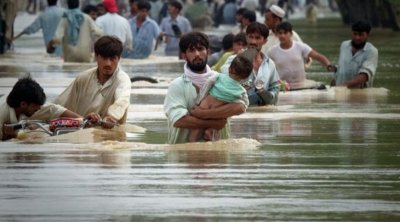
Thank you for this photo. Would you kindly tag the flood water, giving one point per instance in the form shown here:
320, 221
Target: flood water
328, 155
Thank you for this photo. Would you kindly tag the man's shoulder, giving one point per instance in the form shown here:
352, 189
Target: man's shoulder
178, 81
296, 36
346, 43
122, 74
3, 105
86, 74
151, 21
165, 20
268, 63
273, 48
301, 45
369, 46
121, 18
177, 85
182, 18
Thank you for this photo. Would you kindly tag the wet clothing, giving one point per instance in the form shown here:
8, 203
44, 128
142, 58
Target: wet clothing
221, 61
46, 112
143, 38
75, 19
48, 22
114, 24
266, 77
364, 61
180, 98
290, 62
81, 51
172, 39
274, 40
85, 95
228, 90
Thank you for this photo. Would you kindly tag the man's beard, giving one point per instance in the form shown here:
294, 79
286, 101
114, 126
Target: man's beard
197, 66
254, 46
358, 45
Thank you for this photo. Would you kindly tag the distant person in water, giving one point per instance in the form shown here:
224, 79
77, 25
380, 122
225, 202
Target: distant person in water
144, 32
289, 57
358, 59
48, 22
76, 32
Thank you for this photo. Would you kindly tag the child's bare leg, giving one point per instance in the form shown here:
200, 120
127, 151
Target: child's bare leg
208, 102
194, 135
211, 135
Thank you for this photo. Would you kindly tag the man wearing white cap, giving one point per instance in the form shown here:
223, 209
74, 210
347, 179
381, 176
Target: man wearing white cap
273, 17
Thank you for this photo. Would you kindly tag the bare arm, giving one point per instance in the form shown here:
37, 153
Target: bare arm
221, 112
191, 122
19, 35
68, 113
321, 58
358, 81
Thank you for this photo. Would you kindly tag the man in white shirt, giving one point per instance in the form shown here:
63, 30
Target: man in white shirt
289, 57
114, 24
75, 32
273, 17
102, 92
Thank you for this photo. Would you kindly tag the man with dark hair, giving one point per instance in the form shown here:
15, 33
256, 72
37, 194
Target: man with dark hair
27, 101
173, 26
262, 85
102, 92
76, 32
182, 93
289, 57
239, 28
144, 31
224, 89
248, 18
227, 46
358, 59
273, 17
90, 10
239, 44
48, 22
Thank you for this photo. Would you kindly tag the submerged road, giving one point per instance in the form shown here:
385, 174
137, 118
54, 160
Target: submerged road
329, 155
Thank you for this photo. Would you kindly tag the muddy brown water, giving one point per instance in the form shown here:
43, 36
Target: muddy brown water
330, 155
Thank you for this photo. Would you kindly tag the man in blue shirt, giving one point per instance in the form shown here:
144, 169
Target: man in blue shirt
173, 27
48, 22
144, 31
262, 85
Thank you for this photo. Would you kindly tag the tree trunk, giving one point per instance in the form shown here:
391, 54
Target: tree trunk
379, 13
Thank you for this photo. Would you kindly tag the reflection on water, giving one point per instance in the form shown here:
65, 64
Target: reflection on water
327, 155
